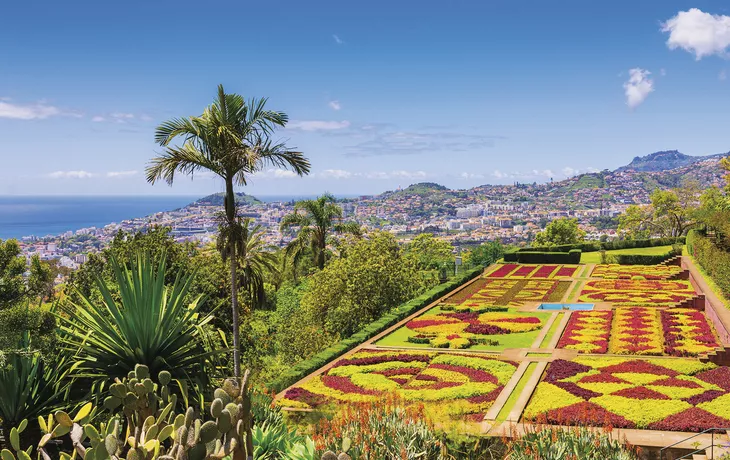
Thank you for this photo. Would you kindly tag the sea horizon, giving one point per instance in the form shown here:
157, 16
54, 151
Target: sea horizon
51, 215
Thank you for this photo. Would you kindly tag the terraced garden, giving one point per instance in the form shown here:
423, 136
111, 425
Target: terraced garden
488, 355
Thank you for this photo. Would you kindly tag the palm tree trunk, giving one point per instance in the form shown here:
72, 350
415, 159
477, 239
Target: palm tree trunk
230, 204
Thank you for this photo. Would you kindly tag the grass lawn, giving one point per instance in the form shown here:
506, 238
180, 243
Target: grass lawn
551, 331
399, 337
510, 403
595, 257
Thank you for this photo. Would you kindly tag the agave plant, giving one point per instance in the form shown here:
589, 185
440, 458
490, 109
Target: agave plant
30, 386
147, 323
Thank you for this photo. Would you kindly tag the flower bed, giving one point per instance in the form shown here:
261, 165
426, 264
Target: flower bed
458, 384
587, 331
637, 292
530, 271
687, 332
663, 394
648, 272
636, 331
467, 292
465, 329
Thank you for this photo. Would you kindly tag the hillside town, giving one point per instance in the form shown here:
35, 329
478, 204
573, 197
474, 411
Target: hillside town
508, 213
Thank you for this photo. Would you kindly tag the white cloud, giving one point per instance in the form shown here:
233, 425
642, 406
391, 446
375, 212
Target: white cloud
722, 76
638, 87
38, 111
318, 125
338, 40
499, 174
409, 174
70, 175
335, 105
145, 117
663, 72
277, 174
122, 115
334, 174
466, 175
121, 173
98, 119
699, 33
545, 173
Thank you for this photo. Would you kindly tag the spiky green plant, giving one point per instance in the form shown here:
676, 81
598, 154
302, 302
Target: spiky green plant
146, 323
29, 386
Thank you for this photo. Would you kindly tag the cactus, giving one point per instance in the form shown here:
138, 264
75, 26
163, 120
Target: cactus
144, 425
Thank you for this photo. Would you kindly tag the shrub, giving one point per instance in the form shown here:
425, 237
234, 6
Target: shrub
548, 443
714, 260
536, 257
379, 430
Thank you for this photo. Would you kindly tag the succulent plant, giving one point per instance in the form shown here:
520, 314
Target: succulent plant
144, 425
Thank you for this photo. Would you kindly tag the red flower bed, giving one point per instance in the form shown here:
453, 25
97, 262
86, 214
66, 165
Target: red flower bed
679, 342
503, 271
404, 358
580, 334
674, 382
345, 385
587, 413
640, 367
489, 397
305, 396
399, 371
544, 271
485, 329
567, 272
562, 369
693, 419
719, 377
707, 396
523, 271
602, 378
640, 393
574, 389
475, 375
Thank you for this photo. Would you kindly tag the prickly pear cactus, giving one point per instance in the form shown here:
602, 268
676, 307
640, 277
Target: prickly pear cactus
144, 425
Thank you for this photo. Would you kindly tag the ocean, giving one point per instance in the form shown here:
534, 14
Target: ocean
52, 215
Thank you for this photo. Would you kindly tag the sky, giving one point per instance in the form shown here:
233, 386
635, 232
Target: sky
379, 94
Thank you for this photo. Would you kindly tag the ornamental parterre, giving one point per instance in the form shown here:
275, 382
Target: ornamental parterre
464, 329
505, 291
637, 292
640, 331
587, 331
523, 271
661, 394
648, 272
458, 385
687, 332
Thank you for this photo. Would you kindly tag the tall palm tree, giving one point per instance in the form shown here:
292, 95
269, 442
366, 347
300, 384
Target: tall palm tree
231, 139
315, 219
253, 255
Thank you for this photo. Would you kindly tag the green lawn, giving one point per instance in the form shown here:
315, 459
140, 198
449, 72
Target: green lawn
399, 337
510, 403
551, 331
595, 257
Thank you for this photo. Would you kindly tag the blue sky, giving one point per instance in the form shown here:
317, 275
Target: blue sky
380, 94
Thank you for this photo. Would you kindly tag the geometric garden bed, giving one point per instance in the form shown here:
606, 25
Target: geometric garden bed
668, 394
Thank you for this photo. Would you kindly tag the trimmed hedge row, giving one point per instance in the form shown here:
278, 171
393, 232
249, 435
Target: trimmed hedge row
641, 259
715, 261
593, 246
544, 257
400, 312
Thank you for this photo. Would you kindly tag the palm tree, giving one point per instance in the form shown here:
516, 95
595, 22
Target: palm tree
231, 139
254, 256
315, 219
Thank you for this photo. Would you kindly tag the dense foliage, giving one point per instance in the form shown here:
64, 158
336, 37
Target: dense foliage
560, 231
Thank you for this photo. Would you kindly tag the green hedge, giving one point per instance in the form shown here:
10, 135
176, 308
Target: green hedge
539, 257
640, 259
593, 246
400, 312
715, 261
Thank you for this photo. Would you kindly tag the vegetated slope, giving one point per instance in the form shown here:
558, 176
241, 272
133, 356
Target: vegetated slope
665, 160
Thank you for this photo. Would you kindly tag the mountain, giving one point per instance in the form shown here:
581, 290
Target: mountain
665, 160
216, 199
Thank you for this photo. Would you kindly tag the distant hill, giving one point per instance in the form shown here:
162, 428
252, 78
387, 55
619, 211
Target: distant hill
665, 160
216, 199
423, 188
